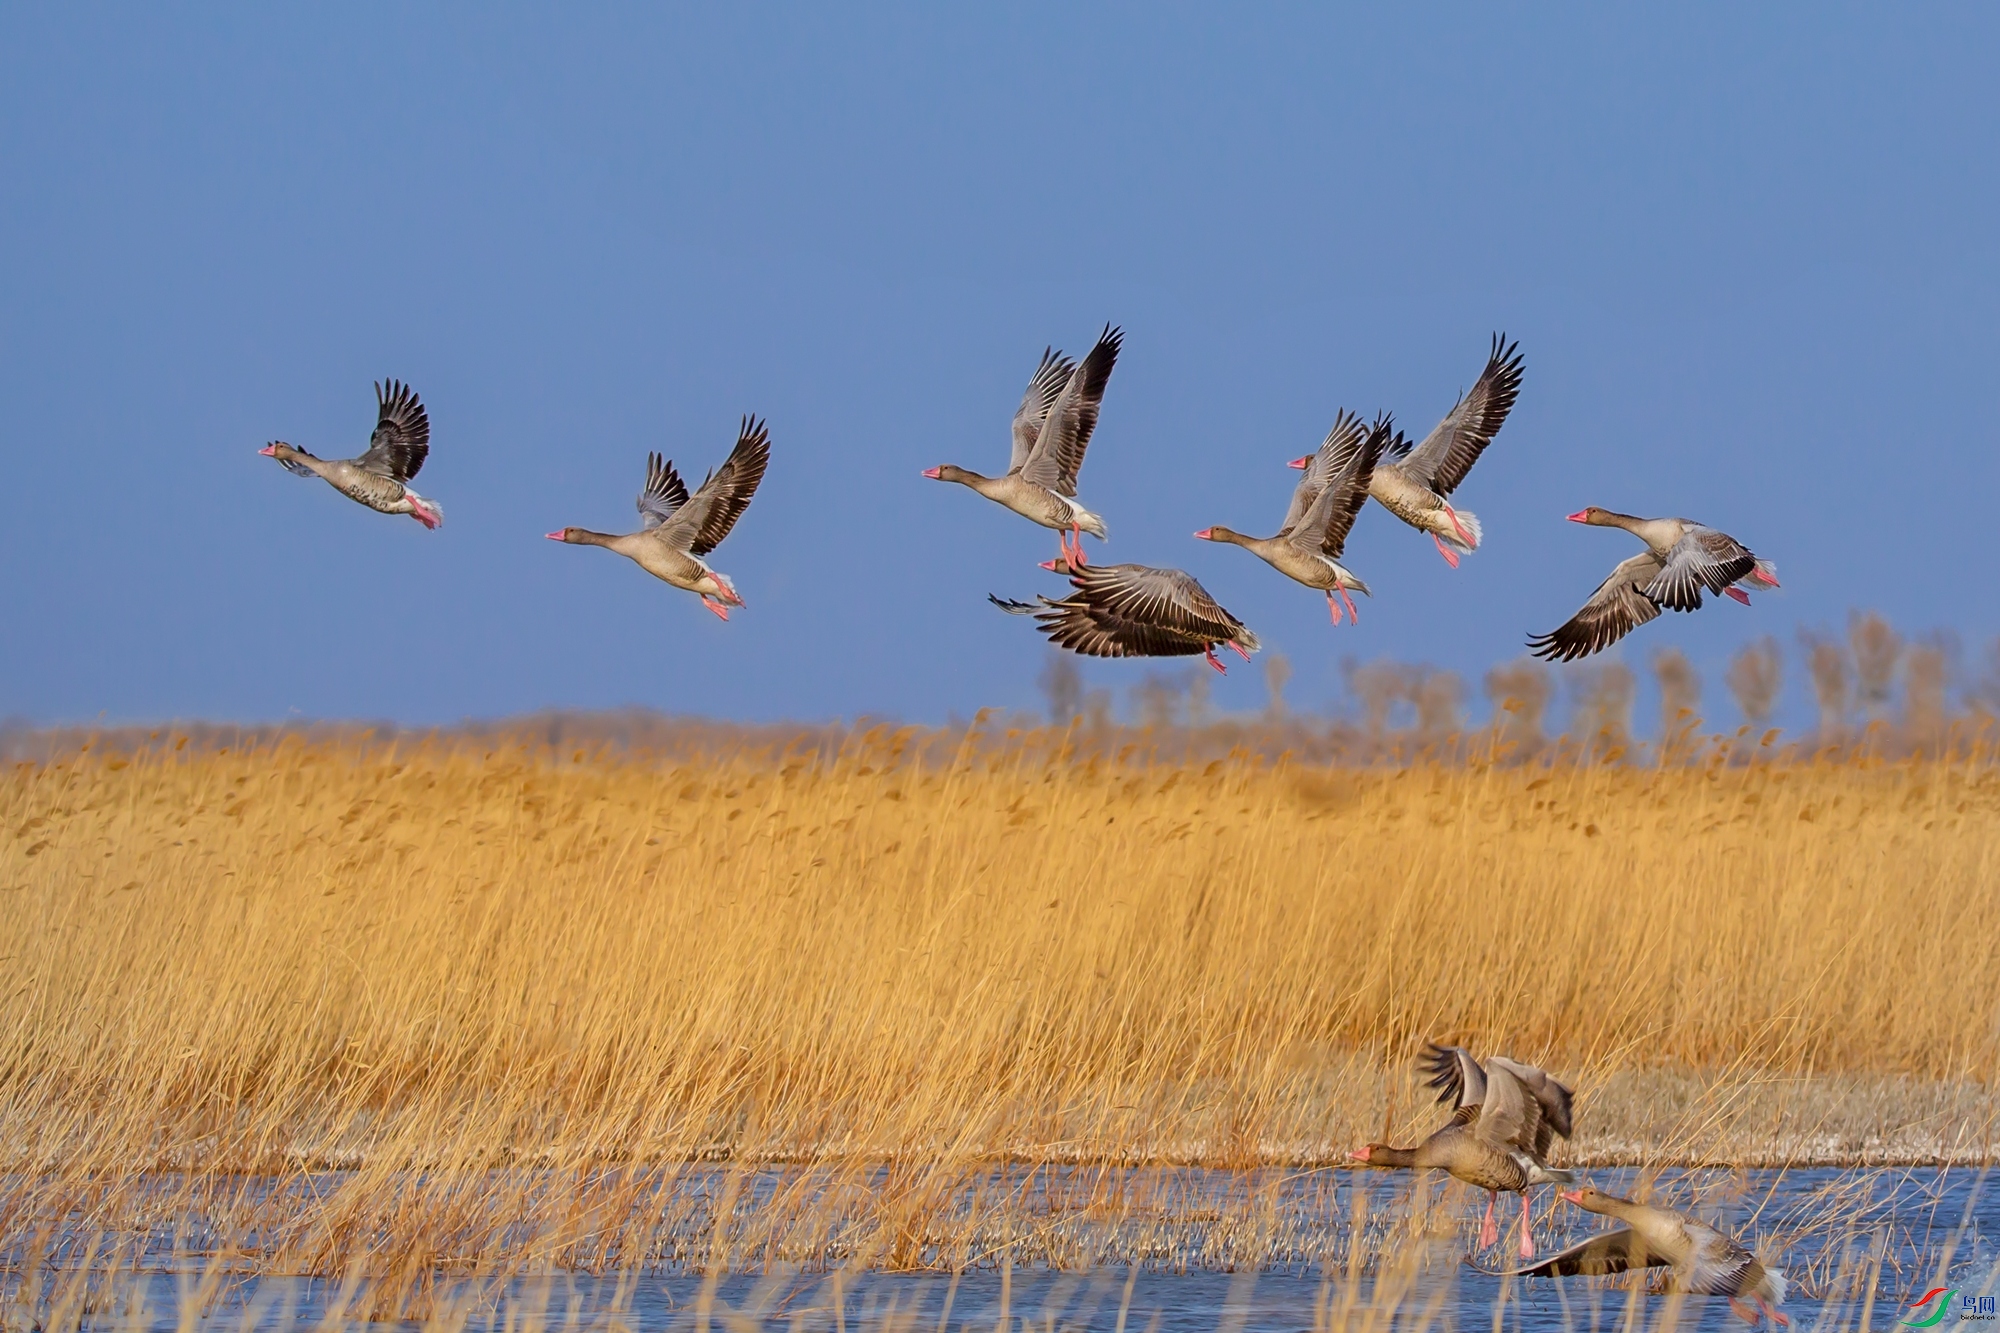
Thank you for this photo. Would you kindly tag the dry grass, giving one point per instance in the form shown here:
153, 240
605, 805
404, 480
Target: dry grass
508, 996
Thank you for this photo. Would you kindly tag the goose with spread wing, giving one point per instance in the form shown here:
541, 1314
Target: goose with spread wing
677, 529
1682, 560
379, 478
1309, 545
1052, 429
1135, 611
1703, 1260
1413, 482
1505, 1116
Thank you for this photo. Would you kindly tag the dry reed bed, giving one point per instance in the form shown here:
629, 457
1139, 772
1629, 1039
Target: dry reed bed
447, 962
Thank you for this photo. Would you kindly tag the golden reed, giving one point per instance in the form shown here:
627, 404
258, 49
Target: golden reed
450, 958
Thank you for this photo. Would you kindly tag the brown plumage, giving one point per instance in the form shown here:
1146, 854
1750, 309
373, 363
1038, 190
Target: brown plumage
1052, 429
1135, 611
1682, 560
677, 529
1703, 1260
379, 478
1314, 536
1413, 481
1505, 1117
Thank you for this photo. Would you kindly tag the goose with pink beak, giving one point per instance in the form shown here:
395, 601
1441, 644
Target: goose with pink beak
677, 529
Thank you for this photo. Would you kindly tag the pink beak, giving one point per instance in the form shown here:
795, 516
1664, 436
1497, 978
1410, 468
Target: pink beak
1049, 565
1574, 1196
1204, 534
269, 451
1358, 1155
934, 473
1301, 463
560, 534
1580, 516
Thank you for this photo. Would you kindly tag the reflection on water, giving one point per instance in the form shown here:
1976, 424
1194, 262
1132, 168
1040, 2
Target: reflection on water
1858, 1247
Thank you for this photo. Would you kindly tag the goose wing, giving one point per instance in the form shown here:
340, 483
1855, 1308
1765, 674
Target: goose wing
1459, 1078
1345, 437
1044, 387
1553, 1097
1619, 1250
1718, 1265
1510, 1116
1703, 559
1325, 527
1619, 606
1168, 598
402, 438
664, 494
1097, 631
700, 525
1449, 452
1058, 453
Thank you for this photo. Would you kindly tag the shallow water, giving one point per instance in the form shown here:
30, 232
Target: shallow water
1858, 1246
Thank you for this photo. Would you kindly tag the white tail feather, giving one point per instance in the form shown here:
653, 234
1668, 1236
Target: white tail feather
1470, 522
428, 506
1780, 1284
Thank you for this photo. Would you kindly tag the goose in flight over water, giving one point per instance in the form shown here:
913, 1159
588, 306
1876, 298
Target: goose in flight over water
1682, 559
1052, 428
1412, 483
1135, 611
1308, 547
381, 477
1505, 1115
1703, 1260
676, 529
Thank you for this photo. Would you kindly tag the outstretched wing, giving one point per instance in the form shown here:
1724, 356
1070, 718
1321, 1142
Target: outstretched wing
1703, 559
1619, 1250
1326, 525
402, 438
665, 492
1455, 1073
1168, 598
1449, 452
700, 525
1553, 1097
1619, 606
1333, 453
1058, 453
1044, 387
1097, 631
1510, 1117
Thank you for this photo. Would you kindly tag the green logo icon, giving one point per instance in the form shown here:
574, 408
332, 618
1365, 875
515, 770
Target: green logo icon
1932, 1319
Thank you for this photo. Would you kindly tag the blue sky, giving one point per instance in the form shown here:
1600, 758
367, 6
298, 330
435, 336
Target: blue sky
1749, 254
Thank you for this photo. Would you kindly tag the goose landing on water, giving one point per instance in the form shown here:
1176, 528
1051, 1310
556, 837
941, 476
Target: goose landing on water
1135, 611
1681, 560
677, 530
1703, 1260
1309, 545
1412, 483
1052, 428
381, 477
1505, 1117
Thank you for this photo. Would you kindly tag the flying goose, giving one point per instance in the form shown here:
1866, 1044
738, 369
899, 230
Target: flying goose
676, 530
1681, 559
1505, 1116
1052, 428
1703, 1260
1308, 547
1135, 611
379, 478
1412, 483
